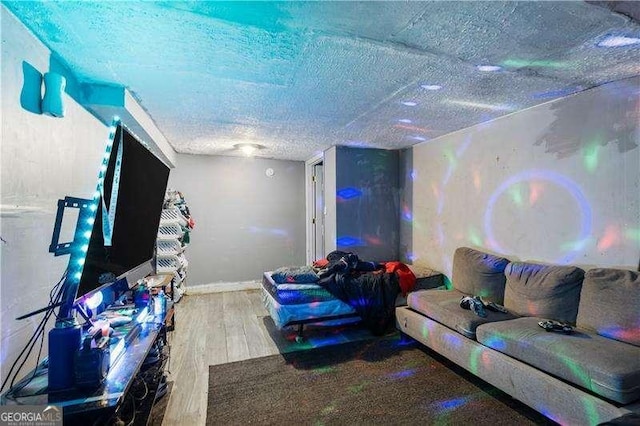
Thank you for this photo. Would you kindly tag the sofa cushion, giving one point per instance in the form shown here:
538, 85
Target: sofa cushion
610, 304
604, 366
547, 291
479, 274
443, 306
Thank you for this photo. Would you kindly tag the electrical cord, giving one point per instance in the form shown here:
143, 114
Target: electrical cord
55, 295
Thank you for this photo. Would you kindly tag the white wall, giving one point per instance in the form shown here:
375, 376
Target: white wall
246, 221
42, 160
556, 183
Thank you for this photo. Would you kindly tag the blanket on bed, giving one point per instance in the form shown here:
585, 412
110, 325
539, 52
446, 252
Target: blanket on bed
366, 286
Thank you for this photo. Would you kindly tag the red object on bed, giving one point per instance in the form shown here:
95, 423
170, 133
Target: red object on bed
320, 263
406, 278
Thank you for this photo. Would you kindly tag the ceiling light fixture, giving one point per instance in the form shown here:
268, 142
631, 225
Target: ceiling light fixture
431, 86
488, 68
248, 148
405, 120
617, 41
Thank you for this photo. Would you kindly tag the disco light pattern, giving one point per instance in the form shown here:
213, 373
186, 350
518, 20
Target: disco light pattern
348, 193
537, 176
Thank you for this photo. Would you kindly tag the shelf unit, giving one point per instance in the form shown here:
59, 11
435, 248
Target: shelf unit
173, 238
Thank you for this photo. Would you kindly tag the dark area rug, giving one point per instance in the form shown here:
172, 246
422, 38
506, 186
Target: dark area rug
383, 381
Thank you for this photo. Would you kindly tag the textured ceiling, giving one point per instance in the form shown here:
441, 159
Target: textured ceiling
299, 77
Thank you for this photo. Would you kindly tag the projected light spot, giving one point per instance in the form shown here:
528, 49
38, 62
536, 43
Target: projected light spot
618, 41
516, 195
488, 68
413, 174
349, 241
521, 63
348, 193
373, 240
431, 86
403, 374
474, 237
480, 105
557, 93
417, 138
452, 404
406, 212
590, 157
556, 179
633, 234
409, 103
535, 191
610, 238
405, 120
621, 334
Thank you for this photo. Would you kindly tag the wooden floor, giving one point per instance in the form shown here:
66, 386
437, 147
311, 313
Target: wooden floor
218, 328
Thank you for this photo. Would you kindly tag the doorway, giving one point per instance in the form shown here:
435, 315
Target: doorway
315, 209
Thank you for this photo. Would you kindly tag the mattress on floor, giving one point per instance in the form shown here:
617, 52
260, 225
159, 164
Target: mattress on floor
290, 303
295, 294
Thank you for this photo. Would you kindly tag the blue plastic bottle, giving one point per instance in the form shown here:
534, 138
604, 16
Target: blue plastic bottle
64, 342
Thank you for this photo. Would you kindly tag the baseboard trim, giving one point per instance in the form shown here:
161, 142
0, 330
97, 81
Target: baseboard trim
222, 287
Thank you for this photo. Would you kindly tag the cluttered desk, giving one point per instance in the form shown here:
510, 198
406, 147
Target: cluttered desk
118, 370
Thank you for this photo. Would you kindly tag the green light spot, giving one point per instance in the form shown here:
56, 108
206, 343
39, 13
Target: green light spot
633, 234
447, 283
358, 388
451, 157
578, 372
328, 410
474, 237
425, 332
575, 245
521, 63
516, 195
592, 412
323, 370
590, 157
473, 362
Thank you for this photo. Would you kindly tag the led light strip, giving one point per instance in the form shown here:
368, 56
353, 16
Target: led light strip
109, 214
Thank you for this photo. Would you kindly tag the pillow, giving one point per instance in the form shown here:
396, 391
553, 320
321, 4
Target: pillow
546, 291
479, 274
294, 274
610, 304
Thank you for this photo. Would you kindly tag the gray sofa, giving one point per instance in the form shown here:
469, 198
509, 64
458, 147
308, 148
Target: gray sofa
589, 376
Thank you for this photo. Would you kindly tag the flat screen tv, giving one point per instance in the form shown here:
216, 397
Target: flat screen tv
140, 197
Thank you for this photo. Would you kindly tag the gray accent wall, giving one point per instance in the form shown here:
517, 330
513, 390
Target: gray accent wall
367, 202
557, 183
246, 221
43, 159
406, 175
330, 220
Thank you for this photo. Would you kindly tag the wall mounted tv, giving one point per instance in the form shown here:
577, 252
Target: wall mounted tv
140, 196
